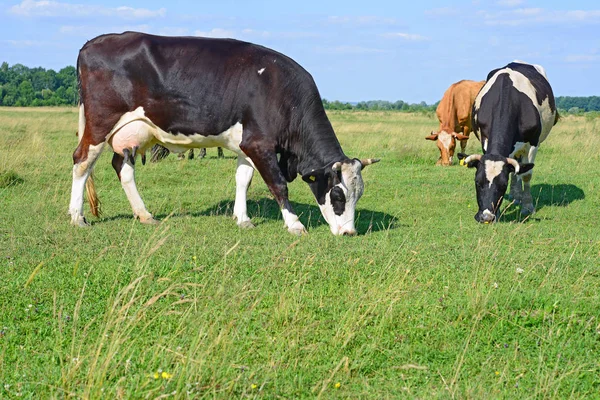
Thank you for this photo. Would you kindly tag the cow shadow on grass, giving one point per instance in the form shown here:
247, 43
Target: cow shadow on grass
544, 195
367, 221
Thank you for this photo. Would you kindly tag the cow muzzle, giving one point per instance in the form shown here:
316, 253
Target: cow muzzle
343, 230
485, 217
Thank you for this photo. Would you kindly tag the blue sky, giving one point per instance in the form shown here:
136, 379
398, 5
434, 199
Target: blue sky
368, 50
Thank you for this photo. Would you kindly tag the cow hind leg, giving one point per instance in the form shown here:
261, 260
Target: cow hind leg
125, 169
84, 158
243, 178
527, 206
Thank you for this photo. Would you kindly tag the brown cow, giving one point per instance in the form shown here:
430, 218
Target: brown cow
454, 114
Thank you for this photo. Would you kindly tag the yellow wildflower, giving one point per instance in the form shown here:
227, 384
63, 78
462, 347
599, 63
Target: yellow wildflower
156, 375
254, 386
166, 375
338, 385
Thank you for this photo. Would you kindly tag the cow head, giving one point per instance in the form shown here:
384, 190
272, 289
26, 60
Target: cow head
491, 181
446, 142
337, 187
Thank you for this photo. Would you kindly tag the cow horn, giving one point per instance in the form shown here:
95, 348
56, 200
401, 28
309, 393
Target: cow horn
369, 161
473, 157
514, 163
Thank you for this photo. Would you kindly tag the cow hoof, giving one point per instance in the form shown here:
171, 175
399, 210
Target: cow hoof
246, 225
527, 210
298, 231
149, 221
80, 222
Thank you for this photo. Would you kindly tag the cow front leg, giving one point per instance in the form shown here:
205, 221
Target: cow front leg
125, 169
243, 178
516, 189
82, 169
265, 162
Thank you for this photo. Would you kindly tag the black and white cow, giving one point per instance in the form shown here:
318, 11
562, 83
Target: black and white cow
512, 114
185, 92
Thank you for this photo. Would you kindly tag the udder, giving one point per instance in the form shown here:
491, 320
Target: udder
135, 134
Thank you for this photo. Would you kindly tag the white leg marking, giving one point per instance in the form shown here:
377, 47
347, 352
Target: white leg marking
292, 222
128, 184
243, 177
81, 172
76, 205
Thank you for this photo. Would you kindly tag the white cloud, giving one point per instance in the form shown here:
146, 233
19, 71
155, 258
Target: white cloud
405, 36
50, 8
88, 32
528, 12
216, 33
509, 3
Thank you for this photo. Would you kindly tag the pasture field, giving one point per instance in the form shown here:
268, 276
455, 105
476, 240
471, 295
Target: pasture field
423, 303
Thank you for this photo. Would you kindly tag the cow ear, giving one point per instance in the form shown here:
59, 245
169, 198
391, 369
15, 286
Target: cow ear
460, 136
461, 159
472, 164
433, 136
525, 168
312, 176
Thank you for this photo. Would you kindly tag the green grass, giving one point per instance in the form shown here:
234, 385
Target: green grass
424, 303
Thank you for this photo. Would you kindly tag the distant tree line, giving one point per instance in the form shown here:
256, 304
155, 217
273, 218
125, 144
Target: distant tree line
380, 105
565, 105
575, 105
24, 86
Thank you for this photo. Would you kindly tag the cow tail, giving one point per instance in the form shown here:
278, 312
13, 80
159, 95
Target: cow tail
92, 196
90, 187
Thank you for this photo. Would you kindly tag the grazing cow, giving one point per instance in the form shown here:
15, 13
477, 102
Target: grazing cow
454, 114
184, 92
513, 114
